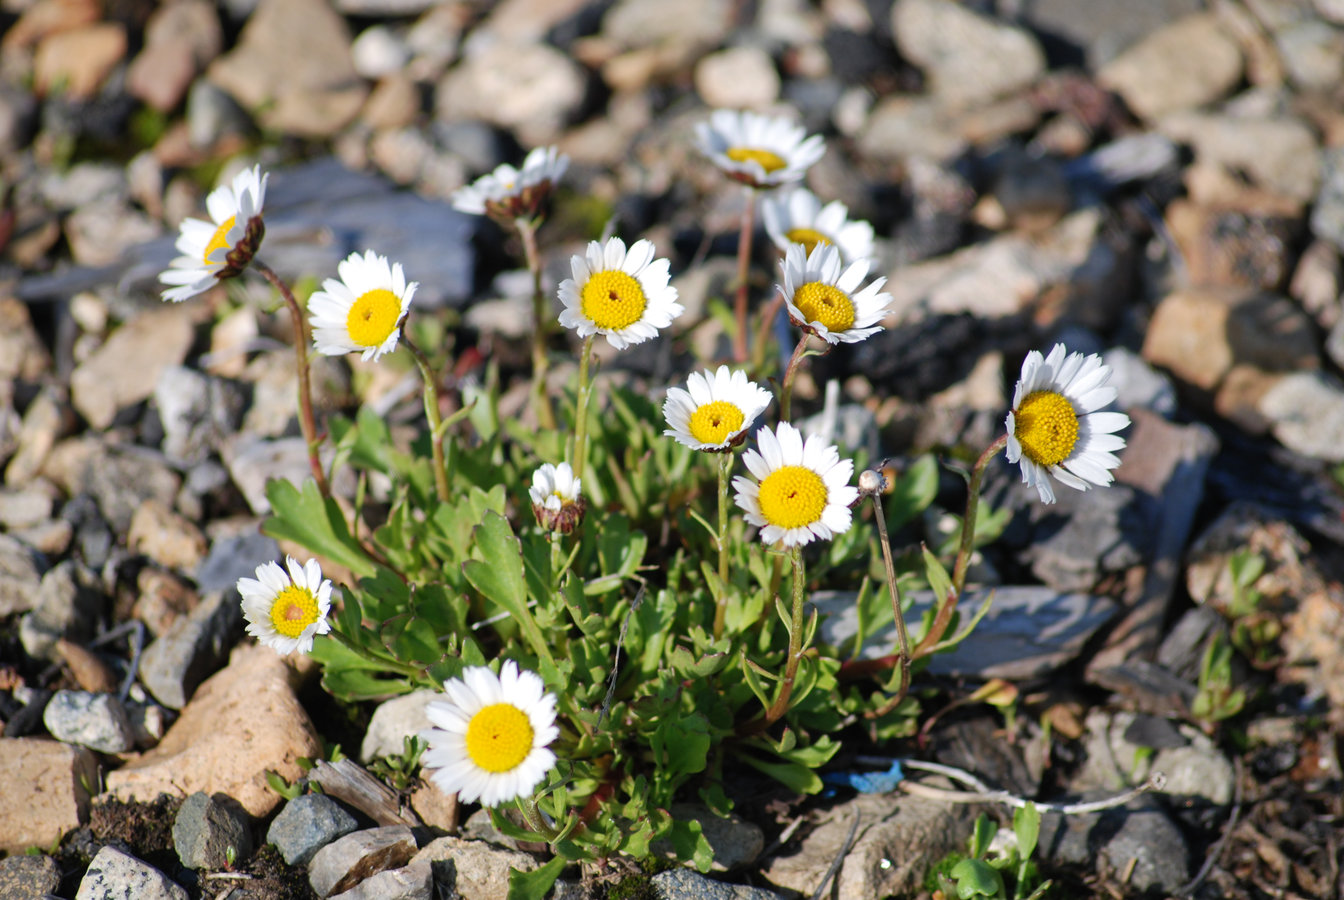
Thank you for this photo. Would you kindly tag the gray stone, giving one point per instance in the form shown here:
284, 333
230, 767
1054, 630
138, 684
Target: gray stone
124, 370
1306, 414
1327, 214
1119, 755
1184, 65
254, 462
99, 233
114, 874
211, 832
735, 841
121, 480
1028, 632
24, 506
149, 723
18, 115
69, 605
23, 877
543, 88
197, 412
20, 576
235, 556
379, 51
480, 869
414, 882
307, 824
395, 720
685, 884
1102, 29
1277, 152
96, 721
43, 422
1138, 383
1087, 535
351, 859
1313, 54
1152, 849
192, 649
213, 114
968, 58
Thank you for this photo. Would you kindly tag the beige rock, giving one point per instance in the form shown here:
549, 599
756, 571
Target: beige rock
1187, 335
394, 103
125, 369
1278, 153
180, 38
47, 17
527, 21
969, 58
240, 722
46, 420
165, 537
22, 353
434, 807
1187, 64
46, 791
1239, 396
531, 88
1246, 244
482, 869
75, 63
737, 78
162, 598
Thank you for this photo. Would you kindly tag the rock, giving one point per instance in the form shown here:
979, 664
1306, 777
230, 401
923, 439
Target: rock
1028, 632
1100, 29
92, 537
18, 115
236, 556
1313, 54
434, 807
482, 869
213, 116
180, 39
211, 832
1306, 414
43, 423
737, 78
96, 721
1139, 384
47, 786
1103, 532
240, 722
379, 51
165, 537
685, 884
124, 370
407, 883
197, 411
347, 861
20, 576
968, 58
149, 723
314, 93
24, 506
1246, 527
1327, 214
275, 389
162, 598
86, 667
252, 462
1244, 244
1286, 158
101, 232
114, 873
78, 61
307, 824
1187, 64
23, 354
395, 720
24, 877
1142, 842
1124, 749
532, 89
193, 648
1311, 640
735, 841
69, 605
898, 839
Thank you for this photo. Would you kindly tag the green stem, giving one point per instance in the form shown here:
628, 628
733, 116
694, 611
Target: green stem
528, 807
581, 407
435, 421
967, 544
721, 606
307, 421
786, 389
781, 704
541, 403
894, 590
743, 276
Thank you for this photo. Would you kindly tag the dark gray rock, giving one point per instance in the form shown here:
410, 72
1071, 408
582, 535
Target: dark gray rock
192, 649
307, 824
1093, 31
114, 875
349, 860
69, 605
96, 721
27, 719
92, 538
197, 412
211, 832
1150, 842
233, 557
685, 884
1086, 535
735, 841
24, 877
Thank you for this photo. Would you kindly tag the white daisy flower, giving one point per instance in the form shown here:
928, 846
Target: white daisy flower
802, 490
715, 410
361, 313
623, 295
820, 294
285, 612
762, 151
508, 193
491, 734
224, 246
556, 498
1054, 426
798, 217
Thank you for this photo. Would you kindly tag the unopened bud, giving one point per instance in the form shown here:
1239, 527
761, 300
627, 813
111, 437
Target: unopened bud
871, 482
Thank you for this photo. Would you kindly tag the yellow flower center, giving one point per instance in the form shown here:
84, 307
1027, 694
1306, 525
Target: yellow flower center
808, 237
499, 737
793, 496
714, 422
613, 300
767, 160
220, 237
372, 317
294, 609
1047, 427
825, 303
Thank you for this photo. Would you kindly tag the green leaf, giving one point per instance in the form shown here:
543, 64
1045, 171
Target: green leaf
938, 578
985, 829
535, 885
681, 743
792, 775
977, 878
1027, 827
689, 843
912, 492
305, 517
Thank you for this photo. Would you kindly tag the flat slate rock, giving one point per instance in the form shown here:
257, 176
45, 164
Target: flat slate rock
1028, 631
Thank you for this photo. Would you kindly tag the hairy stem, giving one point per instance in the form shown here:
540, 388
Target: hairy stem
435, 420
743, 276
581, 407
541, 402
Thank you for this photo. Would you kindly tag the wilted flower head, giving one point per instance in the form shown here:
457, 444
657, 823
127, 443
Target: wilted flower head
223, 247
361, 313
507, 193
761, 151
556, 498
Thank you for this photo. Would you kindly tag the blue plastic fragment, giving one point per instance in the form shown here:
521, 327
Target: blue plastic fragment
868, 782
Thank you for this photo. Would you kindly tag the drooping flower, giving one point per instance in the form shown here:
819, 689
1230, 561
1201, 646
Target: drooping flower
361, 313
801, 491
821, 296
490, 735
1055, 428
556, 498
761, 151
508, 193
715, 410
797, 217
222, 248
285, 612
622, 295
